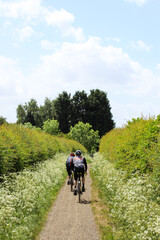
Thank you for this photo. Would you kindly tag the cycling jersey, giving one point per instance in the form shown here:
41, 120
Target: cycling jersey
79, 162
69, 161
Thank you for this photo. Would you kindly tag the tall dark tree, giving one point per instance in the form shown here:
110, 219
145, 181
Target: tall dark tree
79, 107
63, 111
100, 116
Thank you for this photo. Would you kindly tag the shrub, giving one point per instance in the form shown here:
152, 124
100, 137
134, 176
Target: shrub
21, 147
134, 147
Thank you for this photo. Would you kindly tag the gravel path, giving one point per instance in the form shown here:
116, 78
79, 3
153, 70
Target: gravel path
69, 219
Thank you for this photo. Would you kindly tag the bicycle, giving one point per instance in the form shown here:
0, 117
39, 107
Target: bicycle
79, 187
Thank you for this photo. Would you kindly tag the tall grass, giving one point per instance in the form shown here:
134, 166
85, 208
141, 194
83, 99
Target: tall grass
25, 197
134, 203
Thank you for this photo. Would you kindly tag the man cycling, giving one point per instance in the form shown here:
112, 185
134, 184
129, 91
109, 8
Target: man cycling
80, 166
69, 166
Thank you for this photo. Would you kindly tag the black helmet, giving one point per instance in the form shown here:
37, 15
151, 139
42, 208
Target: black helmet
78, 153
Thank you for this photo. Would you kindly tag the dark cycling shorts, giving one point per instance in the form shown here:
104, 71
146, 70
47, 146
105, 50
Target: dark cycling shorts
78, 170
69, 170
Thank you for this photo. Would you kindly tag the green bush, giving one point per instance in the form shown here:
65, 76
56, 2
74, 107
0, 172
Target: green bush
21, 147
84, 134
135, 147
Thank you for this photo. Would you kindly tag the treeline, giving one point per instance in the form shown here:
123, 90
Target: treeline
135, 147
21, 147
93, 108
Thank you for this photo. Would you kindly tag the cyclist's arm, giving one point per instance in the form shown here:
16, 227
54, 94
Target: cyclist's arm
72, 164
85, 163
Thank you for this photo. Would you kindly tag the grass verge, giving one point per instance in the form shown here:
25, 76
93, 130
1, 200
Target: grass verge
101, 213
26, 198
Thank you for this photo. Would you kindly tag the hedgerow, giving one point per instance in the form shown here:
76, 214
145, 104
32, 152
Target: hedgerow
134, 147
133, 203
21, 147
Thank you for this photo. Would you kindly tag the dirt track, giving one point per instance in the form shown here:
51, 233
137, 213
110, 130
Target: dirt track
69, 219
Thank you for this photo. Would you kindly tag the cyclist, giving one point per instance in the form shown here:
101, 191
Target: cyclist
80, 166
69, 166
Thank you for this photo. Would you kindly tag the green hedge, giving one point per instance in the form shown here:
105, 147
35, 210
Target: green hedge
21, 147
135, 147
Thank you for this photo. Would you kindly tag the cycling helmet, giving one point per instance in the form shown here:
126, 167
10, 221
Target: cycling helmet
78, 153
72, 154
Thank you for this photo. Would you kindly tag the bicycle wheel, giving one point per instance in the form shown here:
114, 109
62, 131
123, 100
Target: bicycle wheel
79, 191
71, 183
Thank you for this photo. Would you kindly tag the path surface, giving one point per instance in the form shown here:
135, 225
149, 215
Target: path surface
69, 219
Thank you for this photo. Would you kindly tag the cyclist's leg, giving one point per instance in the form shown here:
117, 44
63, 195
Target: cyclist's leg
75, 181
83, 181
68, 170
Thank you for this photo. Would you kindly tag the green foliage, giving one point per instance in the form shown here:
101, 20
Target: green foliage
133, 202
47, 111
93, 108
68, 111
84, 134
51, 127
63, 111
30, 126
21, 147
26, 197
2, 120
135, 147
80, 108
100, 116
29, 113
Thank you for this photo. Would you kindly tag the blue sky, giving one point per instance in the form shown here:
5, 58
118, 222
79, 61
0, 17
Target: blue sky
49, 46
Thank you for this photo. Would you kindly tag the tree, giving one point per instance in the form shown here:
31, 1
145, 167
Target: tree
100, 116
48, 110
30, 112
63, 111
51, 127
2, 120
79, 107
84, 134
21, 114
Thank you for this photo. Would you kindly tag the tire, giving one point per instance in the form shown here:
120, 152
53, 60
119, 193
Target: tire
71, 183
79, 192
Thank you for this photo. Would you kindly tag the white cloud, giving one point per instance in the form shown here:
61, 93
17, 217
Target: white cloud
24, 33
11, 80
48, 45
140, 46
63, 20
138, 2
30, 10
27, 9
113, 39
89, 63
85, 66
158, 66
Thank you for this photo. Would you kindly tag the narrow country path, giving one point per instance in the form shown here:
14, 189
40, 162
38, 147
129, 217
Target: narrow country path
69, 219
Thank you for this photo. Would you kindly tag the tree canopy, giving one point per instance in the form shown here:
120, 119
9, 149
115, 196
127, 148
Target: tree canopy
93, 108
2, 120
84, 134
